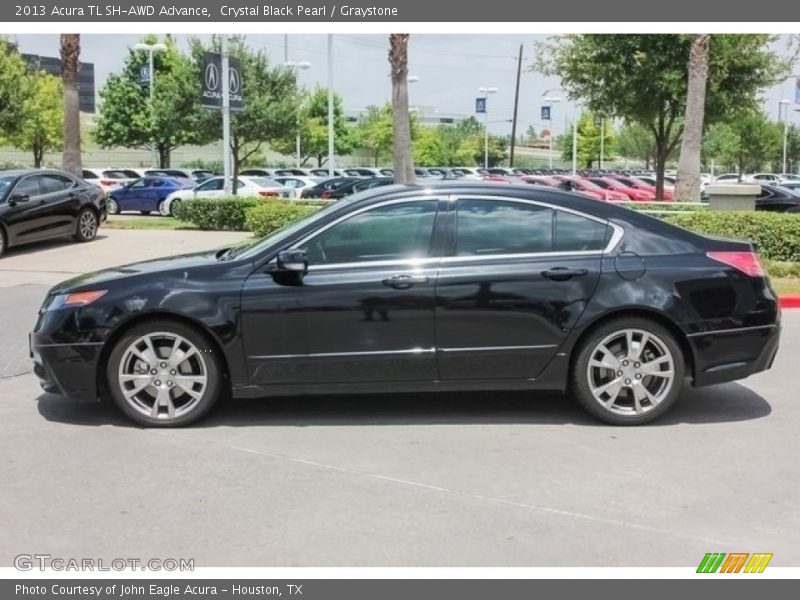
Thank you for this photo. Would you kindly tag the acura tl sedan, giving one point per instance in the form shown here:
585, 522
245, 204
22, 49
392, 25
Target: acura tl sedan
45, 204
451, 286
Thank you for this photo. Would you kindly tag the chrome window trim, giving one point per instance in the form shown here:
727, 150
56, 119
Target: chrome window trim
411, 351
617, 234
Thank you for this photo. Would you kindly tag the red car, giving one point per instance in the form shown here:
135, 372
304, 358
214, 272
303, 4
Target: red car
638, 184
609, 183
541, 180
587, 188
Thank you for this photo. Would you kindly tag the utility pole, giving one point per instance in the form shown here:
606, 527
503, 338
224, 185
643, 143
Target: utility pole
516, 106
331, 152
225, 77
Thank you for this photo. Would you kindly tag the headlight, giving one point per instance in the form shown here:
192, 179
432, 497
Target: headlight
75, 299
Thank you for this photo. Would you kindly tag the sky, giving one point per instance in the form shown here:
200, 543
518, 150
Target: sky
450, 68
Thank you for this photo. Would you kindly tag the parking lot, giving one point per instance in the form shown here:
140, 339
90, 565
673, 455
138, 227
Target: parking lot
490, 479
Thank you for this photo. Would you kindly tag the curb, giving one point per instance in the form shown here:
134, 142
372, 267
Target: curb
789, 301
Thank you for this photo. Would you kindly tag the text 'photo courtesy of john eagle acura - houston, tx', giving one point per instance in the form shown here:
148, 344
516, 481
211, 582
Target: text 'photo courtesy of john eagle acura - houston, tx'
447, 286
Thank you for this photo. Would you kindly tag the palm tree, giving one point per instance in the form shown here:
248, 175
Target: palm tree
401, 121
70, 55
687, 188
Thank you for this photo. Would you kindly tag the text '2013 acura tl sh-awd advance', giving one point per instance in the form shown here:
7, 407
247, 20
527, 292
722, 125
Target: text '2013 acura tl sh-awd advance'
443, 287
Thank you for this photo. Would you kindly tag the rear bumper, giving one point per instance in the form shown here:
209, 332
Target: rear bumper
66, 369
733, 354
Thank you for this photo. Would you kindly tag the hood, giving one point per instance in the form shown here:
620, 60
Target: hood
169, 263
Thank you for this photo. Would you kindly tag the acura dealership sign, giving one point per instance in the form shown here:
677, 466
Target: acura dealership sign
213, 80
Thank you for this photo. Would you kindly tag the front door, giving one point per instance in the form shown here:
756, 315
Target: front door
511, 286
365, 309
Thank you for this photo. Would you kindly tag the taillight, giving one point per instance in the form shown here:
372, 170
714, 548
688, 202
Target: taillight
326, 194
746, 262
268, 194
108, 182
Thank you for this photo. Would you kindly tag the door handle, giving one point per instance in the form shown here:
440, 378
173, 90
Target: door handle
564, 273
403, 282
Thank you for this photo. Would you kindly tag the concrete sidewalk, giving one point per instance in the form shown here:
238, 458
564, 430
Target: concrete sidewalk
51, 262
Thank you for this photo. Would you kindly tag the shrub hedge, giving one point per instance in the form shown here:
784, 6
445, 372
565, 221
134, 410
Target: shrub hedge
269, 216
776, 234
216, 213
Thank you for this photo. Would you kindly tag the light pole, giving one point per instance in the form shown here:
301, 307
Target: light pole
151, 76
486, 91
551, 100
784, 103
297, 67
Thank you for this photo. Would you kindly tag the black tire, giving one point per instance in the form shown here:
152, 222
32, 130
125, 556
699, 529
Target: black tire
86, 226
3, 241
139, 407
159, 206
112, 207
145, 212
173, 206
623, 409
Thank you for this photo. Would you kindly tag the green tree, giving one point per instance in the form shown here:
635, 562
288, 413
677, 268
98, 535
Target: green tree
314, 130
635, 141
429, 149
793, 149
642, 78
373, 132
13, 91
271, 102
590, 142
175, 118
747, 142
41, 126
471, 151
531, 135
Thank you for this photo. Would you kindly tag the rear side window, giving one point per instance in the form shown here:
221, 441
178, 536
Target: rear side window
55, 183
490, 227
576, 233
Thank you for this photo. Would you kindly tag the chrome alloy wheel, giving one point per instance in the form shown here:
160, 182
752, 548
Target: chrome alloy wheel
162, 375
88, 225
630, 372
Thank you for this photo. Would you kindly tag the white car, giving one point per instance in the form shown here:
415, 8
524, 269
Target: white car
108, 178
770, 178
728, 178
297, 184
247, 187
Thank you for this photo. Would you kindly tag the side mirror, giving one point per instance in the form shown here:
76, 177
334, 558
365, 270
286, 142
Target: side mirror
17, 198
292, 261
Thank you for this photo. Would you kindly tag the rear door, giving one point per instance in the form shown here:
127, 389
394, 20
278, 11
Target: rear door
62, 199
515, 278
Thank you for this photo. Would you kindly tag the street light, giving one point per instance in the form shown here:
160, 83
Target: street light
551, 100
151, 76
785, 103
486, 91
297, 67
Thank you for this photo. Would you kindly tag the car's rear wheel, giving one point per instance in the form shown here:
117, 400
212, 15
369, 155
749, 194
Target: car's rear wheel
164, 374
160, 207
112, 206
86, 227
3, 242
628, 371
173, 206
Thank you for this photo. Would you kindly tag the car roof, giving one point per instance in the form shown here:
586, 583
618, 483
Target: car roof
21, 172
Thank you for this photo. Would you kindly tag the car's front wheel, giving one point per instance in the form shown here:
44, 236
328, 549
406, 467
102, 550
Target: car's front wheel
173, 206
113, 207
628, 371
164, 374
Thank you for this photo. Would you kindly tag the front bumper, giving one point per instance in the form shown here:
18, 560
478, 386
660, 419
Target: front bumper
728, 355
66, 369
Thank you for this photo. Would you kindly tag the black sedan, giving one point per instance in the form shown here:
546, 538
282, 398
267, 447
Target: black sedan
357, 185
778, 198
437, 287
43, 204
324, 188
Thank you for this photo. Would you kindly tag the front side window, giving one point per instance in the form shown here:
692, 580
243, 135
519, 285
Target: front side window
392, 232
211, 185
29, 186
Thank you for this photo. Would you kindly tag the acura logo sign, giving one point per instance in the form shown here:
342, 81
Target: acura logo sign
212, 77
234, 81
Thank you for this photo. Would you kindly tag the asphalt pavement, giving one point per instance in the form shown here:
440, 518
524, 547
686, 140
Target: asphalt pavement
479, 479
